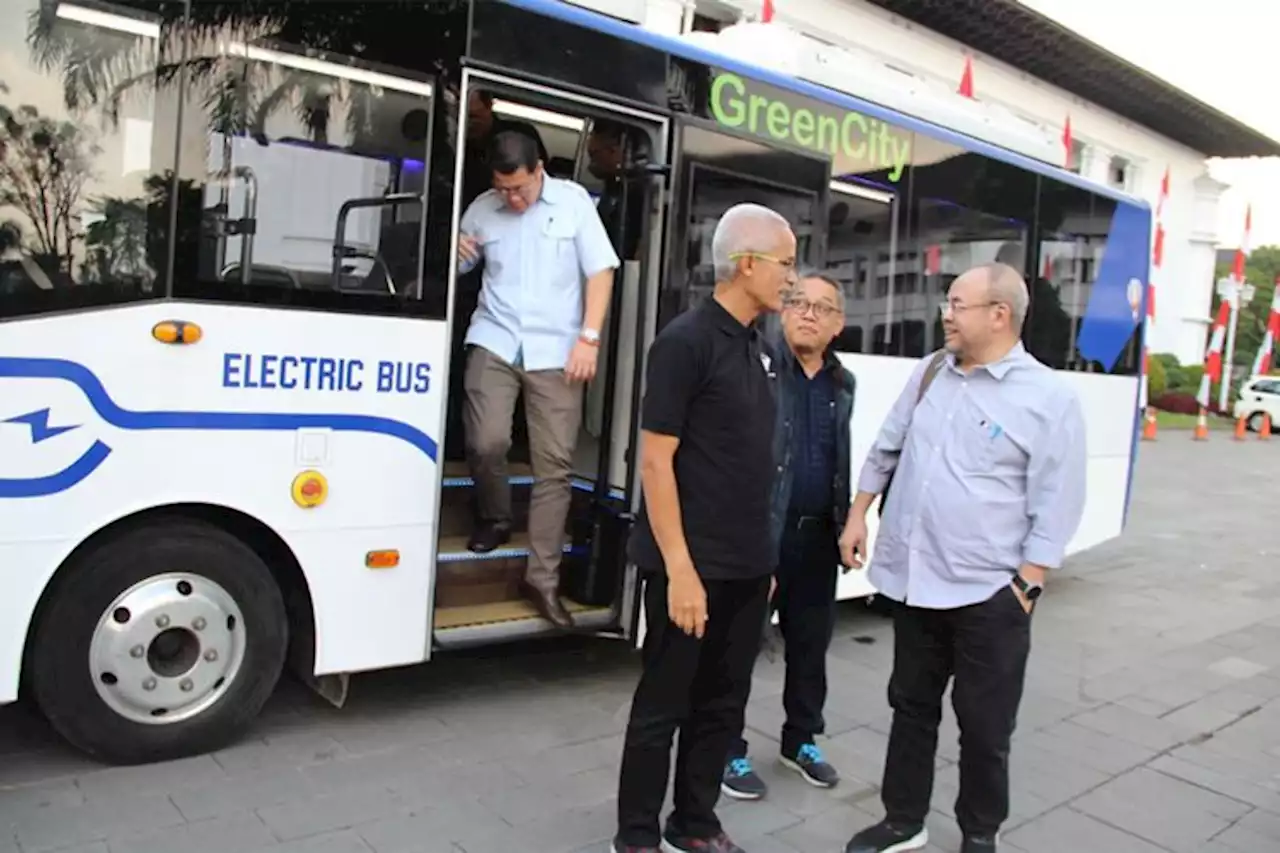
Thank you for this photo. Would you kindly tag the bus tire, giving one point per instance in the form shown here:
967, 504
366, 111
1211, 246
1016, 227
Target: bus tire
162, 642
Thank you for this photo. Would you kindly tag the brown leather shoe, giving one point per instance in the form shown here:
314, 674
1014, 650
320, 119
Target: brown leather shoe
549, 607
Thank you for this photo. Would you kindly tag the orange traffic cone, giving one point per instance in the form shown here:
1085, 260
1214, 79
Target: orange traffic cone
1202, 428
1240, 429
1149, 426
1264, 432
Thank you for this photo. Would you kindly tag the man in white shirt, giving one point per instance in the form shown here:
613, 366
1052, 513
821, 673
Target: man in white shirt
548, 274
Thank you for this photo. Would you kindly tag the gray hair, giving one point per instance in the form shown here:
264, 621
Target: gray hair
810, 272
1006, 285
744, 228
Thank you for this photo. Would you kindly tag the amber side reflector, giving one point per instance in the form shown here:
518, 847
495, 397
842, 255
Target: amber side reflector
176, 332
382, 559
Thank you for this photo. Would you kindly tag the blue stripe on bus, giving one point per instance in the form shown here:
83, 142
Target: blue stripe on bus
121, 418
668, 44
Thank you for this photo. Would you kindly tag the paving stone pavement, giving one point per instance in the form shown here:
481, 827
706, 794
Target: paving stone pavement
1151, 723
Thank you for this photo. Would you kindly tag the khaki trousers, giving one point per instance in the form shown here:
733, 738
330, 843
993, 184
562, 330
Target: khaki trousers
554, 410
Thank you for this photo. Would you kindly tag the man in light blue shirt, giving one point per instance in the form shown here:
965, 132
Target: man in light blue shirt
548, 274
986, 450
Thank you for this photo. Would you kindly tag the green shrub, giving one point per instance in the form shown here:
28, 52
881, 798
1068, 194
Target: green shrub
1185, 378
1157, 380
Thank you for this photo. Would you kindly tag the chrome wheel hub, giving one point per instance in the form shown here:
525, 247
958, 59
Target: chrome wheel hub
167, 648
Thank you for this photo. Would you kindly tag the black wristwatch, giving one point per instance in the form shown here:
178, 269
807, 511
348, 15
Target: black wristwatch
1030, 590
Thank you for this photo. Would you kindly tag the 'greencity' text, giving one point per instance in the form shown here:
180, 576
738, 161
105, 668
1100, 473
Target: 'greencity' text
830, 131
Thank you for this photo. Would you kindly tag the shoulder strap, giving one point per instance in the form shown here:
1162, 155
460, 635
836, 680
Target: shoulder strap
929, 372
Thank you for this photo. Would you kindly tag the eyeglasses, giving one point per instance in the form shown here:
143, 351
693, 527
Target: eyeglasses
821, 310
950, 307
512, 192
520, 190
788, 266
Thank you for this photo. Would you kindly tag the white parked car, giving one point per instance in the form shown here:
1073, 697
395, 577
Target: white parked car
1259, 395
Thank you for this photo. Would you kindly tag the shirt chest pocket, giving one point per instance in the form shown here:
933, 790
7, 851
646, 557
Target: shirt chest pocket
558, 233
984, 443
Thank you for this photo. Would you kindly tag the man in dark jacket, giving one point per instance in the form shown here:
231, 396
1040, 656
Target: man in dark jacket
810, 499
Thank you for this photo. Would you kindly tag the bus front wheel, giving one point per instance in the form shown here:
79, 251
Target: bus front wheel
162, 642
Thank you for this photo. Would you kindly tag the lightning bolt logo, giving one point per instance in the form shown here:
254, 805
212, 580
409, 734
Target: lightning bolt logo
39, 423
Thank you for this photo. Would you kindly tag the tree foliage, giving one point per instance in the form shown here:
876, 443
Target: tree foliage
44, 167
1262, 268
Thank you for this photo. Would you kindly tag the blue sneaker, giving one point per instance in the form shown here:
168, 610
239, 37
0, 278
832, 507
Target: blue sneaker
809, 763
741, 782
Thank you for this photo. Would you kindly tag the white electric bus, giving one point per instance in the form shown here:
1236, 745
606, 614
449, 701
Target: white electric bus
231, 320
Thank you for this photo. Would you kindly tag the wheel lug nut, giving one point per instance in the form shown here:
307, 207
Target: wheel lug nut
211, 655
149, 684
137, 651
186, 685
199, 624
162, 621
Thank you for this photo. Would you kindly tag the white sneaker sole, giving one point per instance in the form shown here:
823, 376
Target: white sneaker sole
738, 795
916, 842
817, 783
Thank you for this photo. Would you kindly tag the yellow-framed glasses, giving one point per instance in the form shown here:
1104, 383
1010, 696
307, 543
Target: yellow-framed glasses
788, 266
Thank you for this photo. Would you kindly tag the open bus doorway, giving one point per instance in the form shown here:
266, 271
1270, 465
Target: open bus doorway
477, 594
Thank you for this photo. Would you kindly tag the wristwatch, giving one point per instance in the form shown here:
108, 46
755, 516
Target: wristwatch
590, 336
1030, 590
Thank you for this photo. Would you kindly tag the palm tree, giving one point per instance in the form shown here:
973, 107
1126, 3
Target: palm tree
237, 94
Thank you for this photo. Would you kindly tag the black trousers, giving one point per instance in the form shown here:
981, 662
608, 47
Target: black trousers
805, 601
985, 647
698, 686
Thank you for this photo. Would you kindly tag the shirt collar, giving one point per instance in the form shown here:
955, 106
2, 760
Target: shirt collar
723, 320
998, 369
552, 191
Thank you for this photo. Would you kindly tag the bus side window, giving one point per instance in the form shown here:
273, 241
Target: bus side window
308, 179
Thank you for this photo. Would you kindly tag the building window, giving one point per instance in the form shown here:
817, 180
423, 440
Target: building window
1120, 173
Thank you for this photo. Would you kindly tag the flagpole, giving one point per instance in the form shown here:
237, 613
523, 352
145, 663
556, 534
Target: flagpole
1239, 294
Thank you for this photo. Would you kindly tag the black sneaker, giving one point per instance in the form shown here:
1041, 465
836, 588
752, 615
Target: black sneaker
717, 844
619, 847
808, 762
886, 837
741, 782
978, 844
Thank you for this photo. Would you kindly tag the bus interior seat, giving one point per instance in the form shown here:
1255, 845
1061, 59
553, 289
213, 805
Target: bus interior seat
261, 274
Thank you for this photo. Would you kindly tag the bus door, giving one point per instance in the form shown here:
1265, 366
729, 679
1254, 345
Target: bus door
615, 152
711, 171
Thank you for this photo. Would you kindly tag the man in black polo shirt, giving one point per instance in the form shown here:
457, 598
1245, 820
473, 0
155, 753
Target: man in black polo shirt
702, 539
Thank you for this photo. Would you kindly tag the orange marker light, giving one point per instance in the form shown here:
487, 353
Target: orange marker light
310, 489
382, 559
176, 332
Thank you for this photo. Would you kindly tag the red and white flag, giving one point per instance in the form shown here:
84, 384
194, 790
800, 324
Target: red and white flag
1213, 357
1157, 260
1262, 361
966, 79
1237, 269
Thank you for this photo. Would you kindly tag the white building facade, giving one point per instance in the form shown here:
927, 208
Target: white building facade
887, 52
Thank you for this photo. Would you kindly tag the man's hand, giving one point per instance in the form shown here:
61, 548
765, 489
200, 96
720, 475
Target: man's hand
582, 362
468, 249
687, 601
853, 542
